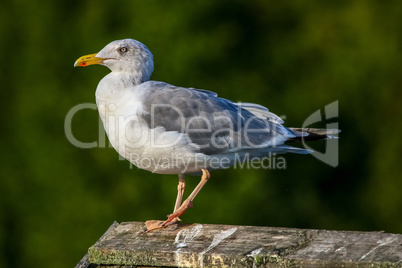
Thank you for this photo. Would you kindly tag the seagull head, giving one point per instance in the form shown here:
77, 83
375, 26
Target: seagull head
123, 56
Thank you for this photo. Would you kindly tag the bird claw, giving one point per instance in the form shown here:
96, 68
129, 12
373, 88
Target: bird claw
156, 224
153, 225
172, 218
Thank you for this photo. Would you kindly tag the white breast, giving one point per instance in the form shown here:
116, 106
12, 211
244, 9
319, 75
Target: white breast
120, 108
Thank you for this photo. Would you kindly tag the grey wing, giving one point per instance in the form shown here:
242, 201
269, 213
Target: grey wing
214, 125
261, 111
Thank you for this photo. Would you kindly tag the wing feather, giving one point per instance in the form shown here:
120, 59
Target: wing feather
214, 125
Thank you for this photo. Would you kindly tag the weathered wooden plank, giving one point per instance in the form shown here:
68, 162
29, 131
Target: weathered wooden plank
84, 262
201, 245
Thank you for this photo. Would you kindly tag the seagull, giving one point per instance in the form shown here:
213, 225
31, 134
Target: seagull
167, 129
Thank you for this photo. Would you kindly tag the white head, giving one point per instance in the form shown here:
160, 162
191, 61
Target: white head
125, 56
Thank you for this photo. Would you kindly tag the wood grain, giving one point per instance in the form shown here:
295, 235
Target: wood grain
203, 245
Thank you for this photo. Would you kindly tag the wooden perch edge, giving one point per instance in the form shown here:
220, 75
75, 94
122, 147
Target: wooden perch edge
205, 245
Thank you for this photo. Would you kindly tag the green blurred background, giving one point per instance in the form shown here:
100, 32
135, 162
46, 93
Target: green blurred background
294, 57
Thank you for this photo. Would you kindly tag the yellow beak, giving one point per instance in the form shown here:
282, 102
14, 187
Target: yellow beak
88, 60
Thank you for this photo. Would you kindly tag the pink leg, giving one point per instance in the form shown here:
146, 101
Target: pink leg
155, 224
174, 217
180, 191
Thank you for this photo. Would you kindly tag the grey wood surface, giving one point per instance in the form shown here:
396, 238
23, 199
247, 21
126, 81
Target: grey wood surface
204, 245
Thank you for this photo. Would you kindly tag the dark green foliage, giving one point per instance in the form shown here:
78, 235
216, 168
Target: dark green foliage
293, 57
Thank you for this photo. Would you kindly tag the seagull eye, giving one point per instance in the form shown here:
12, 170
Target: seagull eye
123, 49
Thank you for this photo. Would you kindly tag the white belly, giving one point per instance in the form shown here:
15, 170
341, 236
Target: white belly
155, 149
